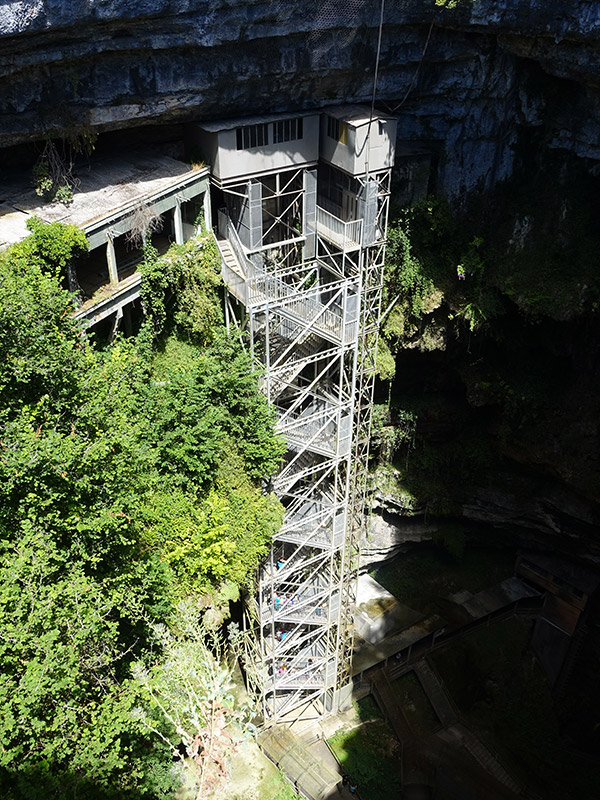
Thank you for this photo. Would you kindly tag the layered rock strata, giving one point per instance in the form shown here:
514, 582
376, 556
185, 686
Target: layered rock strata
463, 81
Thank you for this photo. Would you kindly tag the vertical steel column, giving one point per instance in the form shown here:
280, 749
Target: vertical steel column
314, 335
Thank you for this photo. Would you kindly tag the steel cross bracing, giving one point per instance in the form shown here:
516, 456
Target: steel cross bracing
308, 296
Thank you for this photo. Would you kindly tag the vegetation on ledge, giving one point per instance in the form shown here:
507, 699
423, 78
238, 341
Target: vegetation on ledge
491, 325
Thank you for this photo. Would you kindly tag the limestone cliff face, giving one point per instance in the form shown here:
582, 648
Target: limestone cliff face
475, 86
535, 514
464, 81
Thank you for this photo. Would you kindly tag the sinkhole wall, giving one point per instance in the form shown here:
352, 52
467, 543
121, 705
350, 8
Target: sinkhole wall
464, 82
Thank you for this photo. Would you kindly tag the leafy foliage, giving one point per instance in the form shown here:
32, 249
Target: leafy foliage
386, 362
405, 273
191, 691
128, 481
450, 3
489, 285
39, 343
188, 278
369, 755
434, 261
392, 430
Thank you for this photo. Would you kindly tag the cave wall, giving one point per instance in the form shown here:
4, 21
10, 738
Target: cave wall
463, 81
468, 85
507, 413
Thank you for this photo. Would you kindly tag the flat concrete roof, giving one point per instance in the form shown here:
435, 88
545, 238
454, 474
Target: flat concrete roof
355, 115
106, 185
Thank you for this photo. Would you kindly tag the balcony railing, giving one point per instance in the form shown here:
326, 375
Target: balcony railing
262, 287
344, 235
305, 306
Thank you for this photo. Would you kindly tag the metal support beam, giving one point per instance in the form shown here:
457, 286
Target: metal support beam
311, 315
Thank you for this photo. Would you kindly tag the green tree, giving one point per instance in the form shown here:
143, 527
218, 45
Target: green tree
187, 279
128, 481
39, 342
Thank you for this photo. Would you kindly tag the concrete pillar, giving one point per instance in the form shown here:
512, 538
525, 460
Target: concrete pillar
111, 260
207, 210
116, 322
178, 222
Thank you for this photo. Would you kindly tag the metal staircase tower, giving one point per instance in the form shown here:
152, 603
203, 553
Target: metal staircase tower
304, 278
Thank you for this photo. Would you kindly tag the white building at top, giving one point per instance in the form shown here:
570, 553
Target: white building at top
356, 143
344, 136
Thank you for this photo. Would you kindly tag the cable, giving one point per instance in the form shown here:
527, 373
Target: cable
414, 77
377, 56
374, 93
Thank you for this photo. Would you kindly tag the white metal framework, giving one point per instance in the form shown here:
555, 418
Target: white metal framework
302, 251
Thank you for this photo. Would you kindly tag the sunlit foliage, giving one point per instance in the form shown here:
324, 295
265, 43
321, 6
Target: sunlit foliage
129, 480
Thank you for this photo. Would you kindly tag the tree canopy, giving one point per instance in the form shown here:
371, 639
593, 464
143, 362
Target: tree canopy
128, 483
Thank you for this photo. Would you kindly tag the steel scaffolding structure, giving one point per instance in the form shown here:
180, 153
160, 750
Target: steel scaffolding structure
303, 273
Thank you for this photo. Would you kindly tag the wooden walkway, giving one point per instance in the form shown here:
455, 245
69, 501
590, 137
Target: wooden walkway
457, 753
445, 710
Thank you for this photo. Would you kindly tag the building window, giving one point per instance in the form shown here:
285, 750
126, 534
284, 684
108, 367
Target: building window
337, 129
252, 136
286, 130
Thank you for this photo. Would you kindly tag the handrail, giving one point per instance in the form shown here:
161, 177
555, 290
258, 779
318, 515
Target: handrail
323, 517
263, 286
228, 231
319, 412
346, 235
305, 304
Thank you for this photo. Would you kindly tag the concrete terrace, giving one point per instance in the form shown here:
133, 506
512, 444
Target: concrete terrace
108, 193
105, 187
